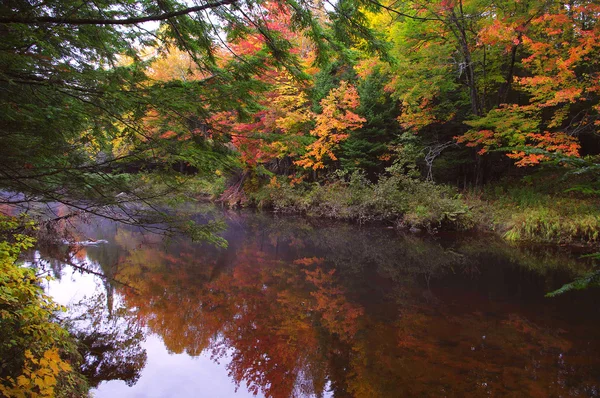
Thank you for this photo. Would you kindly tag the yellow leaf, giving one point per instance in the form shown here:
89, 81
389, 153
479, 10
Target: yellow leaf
22, 381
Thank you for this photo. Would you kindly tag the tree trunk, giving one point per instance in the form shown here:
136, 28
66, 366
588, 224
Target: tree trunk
505, 88
461, 36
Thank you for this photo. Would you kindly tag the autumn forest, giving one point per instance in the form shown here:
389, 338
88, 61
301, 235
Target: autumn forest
437, 121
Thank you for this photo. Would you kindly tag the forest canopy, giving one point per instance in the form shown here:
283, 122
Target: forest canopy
94, 91
115, 103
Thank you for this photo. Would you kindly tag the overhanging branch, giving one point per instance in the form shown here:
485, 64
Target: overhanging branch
14, 19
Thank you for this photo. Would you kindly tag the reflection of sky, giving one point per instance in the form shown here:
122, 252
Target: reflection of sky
165, 374
73, 286
175, 375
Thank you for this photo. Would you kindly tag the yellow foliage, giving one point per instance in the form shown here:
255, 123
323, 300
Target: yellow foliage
38, 377
30, 340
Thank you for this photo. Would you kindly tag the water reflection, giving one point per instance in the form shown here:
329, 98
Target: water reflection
294, 308
109, 340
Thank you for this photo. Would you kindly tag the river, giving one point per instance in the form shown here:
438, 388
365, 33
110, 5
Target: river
307, 308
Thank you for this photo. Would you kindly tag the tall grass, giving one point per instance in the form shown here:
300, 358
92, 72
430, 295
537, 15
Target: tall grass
523, 213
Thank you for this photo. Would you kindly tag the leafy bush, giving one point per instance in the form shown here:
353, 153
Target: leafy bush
35, 351
400, 198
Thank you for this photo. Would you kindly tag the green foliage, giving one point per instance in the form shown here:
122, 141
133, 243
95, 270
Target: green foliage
80, 104
206, 232
90, 120
328, 78
37, 354
365, 147
512, 123
399, 198
591, 279
427, 58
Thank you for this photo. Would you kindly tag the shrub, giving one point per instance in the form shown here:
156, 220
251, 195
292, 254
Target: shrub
34, 350
399, 198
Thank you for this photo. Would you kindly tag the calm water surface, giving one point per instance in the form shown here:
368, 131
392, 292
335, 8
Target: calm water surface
302, 308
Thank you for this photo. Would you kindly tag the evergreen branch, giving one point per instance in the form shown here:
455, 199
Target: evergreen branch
16, 19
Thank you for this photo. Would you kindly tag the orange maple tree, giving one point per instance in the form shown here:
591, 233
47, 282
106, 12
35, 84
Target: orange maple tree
561, 81
333, 125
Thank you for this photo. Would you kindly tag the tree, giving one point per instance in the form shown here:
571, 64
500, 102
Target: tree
76, 85
68, 97
367, 148
559, 77
332, 125
519, 77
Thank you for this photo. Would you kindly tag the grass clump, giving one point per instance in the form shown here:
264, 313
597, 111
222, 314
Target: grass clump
522, 213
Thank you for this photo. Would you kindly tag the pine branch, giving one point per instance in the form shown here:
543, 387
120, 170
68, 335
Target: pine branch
17, 19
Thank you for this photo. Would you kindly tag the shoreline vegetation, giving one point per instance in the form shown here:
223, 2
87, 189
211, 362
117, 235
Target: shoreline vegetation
40, 356
515, 210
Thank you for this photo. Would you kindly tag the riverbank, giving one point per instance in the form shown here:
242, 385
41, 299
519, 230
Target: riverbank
521, 213
515, 210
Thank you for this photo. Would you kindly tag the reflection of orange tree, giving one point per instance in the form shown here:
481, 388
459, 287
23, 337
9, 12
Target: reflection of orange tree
289, 328
270, 317
338, 315
276, 318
